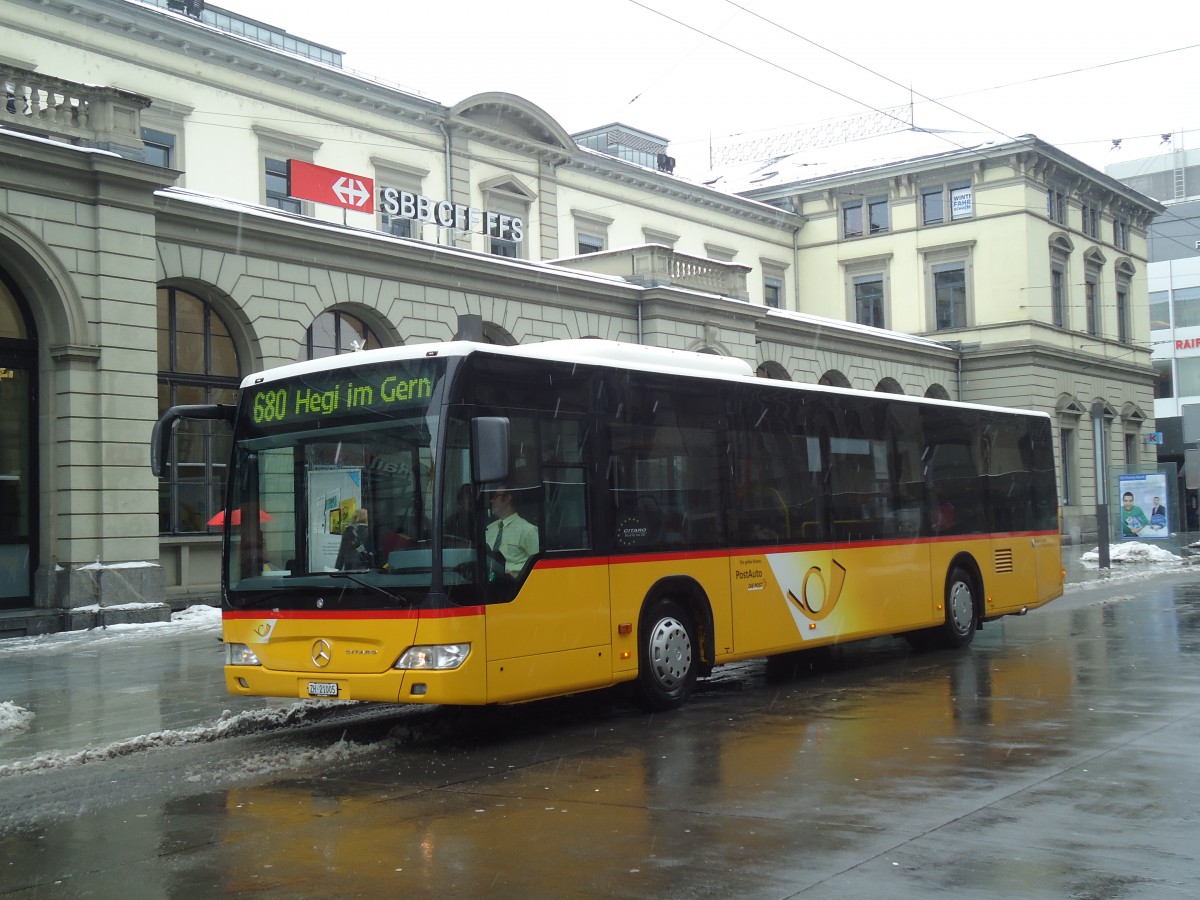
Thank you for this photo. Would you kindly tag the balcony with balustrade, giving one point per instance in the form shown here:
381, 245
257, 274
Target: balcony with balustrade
83, 115
655, 265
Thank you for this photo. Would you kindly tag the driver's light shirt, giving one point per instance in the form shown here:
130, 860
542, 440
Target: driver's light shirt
518, 541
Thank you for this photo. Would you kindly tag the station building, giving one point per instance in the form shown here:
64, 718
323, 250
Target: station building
154, 250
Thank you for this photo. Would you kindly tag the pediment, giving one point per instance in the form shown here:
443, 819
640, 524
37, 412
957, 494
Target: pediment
513, 117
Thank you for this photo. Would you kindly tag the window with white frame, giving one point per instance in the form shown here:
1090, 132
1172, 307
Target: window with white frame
159, 147
962, 200
949, 293
1124, 334
1131, 449
1056, 204
588, 243
591, 231
163, 135
949, 202
933, 205
867, 290
1066, 444
1125, 272
1058, 294
1058, 287
1091, 220
1121, 234
774, 283
865, 215
852, 218
1091, 301
509, 199
868, 300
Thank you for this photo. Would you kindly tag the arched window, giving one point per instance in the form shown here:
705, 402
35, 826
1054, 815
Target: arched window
197, 363
336, 331
772, 369
834, 378
937, 392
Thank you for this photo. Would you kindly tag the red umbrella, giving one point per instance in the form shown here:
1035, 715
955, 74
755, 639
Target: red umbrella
219, 518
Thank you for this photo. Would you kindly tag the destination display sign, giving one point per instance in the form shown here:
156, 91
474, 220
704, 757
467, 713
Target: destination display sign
388, 389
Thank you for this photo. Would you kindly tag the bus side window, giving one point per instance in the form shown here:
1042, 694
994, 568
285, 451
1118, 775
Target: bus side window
564, 480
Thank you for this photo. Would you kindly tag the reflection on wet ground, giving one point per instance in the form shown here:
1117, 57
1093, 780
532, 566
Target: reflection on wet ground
1054, 758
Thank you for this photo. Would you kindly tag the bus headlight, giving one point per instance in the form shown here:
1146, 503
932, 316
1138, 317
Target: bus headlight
434, 656
240, 655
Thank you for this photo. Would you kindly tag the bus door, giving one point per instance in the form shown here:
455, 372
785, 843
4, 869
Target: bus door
548, 618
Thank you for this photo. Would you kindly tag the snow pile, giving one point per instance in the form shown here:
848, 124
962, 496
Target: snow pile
13, 717
228, 725
194, 619
1131, 552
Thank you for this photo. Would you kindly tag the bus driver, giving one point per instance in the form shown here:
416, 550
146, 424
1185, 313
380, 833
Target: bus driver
509, 535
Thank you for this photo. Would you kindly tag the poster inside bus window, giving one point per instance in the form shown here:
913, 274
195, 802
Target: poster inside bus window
334, 497
1142, 506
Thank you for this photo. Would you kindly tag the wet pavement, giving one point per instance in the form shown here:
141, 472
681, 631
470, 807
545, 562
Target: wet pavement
1055, 758
90, 689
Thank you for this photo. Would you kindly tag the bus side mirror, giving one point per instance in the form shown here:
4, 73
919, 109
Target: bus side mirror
160, 435
489, 439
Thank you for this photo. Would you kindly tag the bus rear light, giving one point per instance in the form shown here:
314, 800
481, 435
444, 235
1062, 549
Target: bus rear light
434, 656
240, 655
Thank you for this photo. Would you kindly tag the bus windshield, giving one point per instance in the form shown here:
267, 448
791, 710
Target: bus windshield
332, 490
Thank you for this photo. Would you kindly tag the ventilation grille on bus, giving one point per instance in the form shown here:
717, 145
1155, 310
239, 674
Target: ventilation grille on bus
1004, 560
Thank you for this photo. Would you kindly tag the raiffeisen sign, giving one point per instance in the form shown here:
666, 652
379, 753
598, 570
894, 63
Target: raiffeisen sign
407, 205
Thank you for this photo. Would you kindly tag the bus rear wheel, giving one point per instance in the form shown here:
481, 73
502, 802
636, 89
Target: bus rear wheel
667, 661
959, 628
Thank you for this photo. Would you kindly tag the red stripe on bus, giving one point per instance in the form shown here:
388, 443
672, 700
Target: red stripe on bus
653, 557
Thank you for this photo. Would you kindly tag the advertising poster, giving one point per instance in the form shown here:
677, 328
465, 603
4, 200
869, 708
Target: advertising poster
334, 496
1142, 506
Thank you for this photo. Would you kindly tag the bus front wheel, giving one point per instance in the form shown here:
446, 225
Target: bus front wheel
667, 661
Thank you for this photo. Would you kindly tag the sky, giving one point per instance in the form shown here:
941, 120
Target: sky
715, 77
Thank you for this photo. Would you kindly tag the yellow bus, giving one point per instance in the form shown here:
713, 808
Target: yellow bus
472, 524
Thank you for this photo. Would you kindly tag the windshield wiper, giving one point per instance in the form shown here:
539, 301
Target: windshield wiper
395, 598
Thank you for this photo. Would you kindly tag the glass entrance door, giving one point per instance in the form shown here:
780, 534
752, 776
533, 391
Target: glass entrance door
15, 493
17, 445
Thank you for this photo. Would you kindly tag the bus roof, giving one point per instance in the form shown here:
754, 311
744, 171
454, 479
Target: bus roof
593, 351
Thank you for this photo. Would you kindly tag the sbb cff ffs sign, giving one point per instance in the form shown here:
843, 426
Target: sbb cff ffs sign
329, 186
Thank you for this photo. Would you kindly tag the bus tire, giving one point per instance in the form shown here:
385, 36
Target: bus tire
961, 616
667, 656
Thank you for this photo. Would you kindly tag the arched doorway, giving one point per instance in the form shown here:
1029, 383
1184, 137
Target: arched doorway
18, 440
